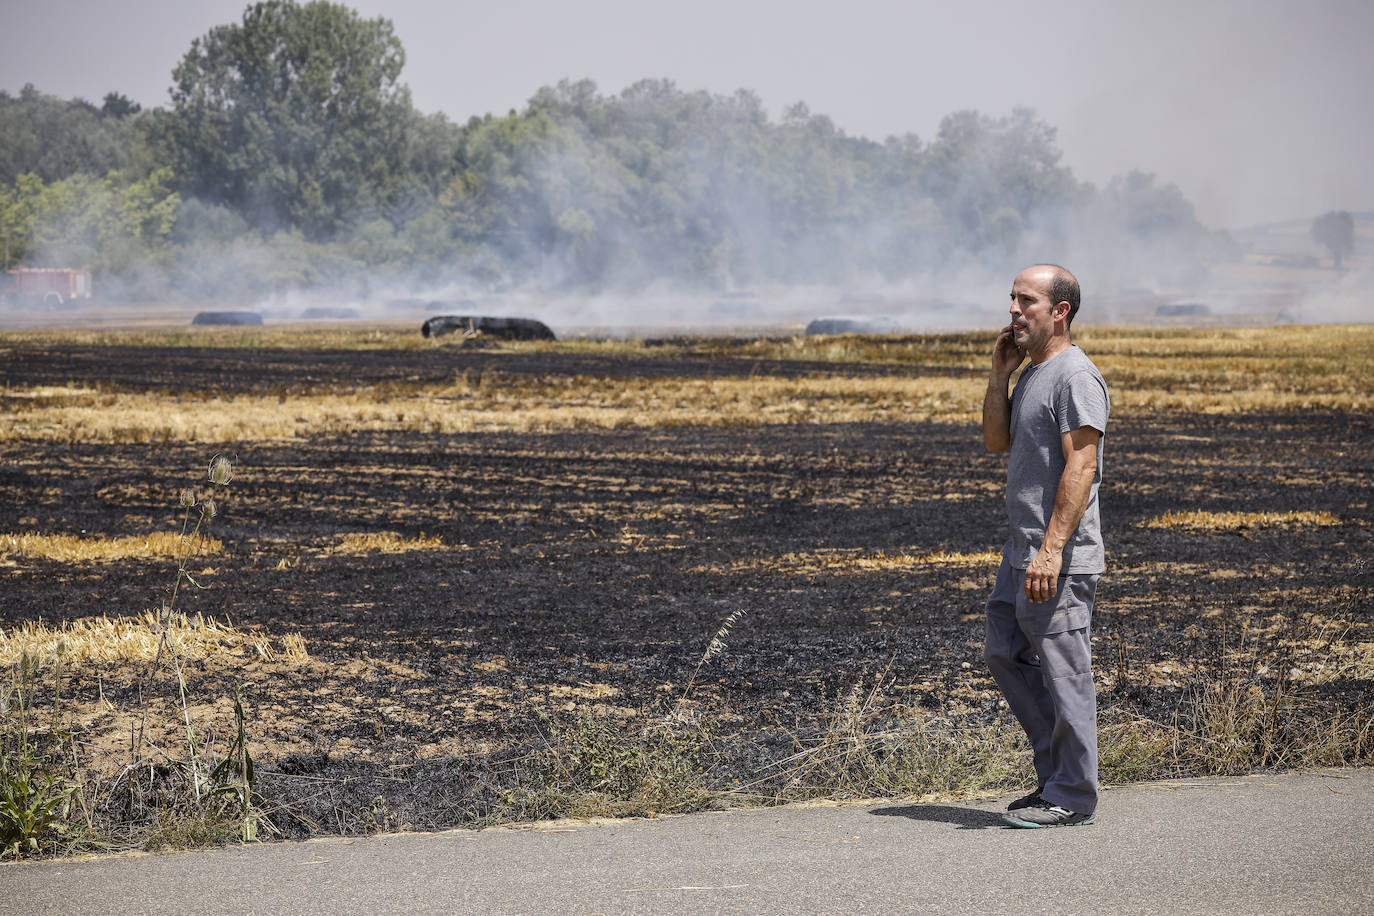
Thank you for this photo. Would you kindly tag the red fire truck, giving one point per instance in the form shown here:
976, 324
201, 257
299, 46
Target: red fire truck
47, 287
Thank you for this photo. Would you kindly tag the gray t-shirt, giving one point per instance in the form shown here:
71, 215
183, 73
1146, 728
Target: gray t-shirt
1064, 393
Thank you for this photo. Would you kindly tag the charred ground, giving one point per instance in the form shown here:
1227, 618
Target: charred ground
588, 570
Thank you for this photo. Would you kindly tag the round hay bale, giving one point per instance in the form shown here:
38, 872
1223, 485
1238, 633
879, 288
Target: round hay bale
487, 326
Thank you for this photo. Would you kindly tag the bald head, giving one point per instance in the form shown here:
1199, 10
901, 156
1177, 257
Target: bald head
1058, 284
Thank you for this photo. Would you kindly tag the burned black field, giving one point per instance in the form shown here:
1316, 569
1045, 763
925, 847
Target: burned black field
533, 578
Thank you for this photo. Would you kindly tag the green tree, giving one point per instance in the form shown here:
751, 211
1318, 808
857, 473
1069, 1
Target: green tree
118, 227
990, 176
294, 117
109, 224
431, 148
1151, 211
1335, 230
706, 190
119, 105
55, 138
19, 207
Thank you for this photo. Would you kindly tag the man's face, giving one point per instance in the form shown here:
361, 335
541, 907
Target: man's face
1032, 312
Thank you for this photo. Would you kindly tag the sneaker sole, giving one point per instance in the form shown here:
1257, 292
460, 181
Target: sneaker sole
1013, 821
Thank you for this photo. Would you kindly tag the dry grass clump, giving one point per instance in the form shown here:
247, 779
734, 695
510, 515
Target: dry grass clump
384, 542
115, 639
1197, 520
67, 548
853, 561
960, 350
1236, 726
1291, 694
516, 404
948, 558
1314, 347
594, 766
865, 751
1220, 370
1249, 712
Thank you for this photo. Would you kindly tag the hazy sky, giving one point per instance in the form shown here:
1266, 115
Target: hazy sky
1259, 111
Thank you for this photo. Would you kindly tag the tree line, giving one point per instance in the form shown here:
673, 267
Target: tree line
290, 154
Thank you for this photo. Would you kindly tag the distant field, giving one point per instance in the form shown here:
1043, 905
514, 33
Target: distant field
631, 384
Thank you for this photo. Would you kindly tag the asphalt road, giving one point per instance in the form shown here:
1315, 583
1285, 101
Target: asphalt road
1261, 844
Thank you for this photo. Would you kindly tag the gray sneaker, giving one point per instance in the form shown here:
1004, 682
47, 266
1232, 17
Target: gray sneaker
1046, 815
1026, 801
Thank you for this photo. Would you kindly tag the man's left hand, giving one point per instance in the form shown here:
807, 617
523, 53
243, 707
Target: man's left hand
1042, 576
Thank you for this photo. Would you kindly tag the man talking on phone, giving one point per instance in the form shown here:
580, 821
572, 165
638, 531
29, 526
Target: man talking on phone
1038, 643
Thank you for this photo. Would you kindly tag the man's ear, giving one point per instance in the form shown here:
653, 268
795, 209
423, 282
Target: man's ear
1061, 310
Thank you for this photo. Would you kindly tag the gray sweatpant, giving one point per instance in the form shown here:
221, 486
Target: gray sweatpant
1040, 654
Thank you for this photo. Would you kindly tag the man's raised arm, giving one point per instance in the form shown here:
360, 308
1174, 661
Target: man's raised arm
996, 403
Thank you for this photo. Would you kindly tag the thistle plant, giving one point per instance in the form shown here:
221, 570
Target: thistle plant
231, 778
197, 513
715, 647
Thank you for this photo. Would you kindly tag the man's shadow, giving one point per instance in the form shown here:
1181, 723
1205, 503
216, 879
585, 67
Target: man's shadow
963, 818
